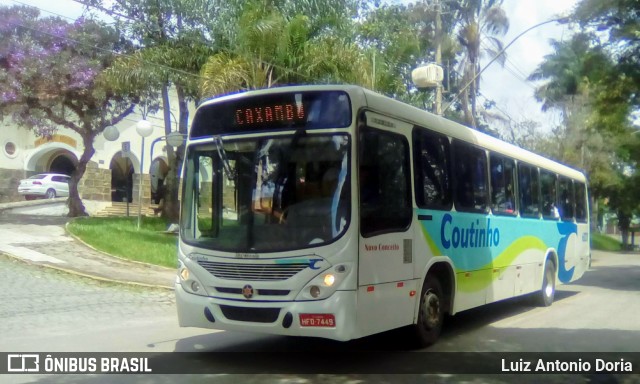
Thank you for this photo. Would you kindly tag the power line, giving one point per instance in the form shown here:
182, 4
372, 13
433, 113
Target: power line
494, 104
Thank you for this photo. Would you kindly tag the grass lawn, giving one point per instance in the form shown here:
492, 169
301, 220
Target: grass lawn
119, 236
604, 243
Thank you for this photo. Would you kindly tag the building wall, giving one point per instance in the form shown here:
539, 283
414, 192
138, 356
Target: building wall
31, 155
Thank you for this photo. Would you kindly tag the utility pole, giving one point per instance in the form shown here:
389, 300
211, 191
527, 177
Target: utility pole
438, 55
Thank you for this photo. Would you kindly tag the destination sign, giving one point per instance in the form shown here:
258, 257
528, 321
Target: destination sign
274, 111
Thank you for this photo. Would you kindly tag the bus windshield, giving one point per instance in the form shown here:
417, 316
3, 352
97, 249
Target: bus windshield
282, 193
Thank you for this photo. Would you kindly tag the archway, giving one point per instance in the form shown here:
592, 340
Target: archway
52, 157
62, 164
121, 178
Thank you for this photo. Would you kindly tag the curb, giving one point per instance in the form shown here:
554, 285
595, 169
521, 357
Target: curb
31, 203
88, 276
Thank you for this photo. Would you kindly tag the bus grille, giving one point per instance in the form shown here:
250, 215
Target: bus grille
258, 272
262, 292
254, 315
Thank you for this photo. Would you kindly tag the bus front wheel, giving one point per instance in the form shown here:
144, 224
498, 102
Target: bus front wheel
545, 296
430, 313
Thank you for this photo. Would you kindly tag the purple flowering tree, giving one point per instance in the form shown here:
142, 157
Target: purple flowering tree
50, 77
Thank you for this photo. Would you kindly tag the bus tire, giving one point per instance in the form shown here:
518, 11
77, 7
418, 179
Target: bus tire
545, 296
430, 313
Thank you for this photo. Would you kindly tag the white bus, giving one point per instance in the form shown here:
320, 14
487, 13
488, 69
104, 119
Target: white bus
336, 212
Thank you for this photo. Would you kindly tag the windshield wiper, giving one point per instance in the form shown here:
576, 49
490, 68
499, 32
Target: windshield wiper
231, 174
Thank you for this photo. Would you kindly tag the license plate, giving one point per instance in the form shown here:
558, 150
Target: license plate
317, 320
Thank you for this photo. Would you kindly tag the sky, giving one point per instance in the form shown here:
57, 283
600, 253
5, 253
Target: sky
506, 86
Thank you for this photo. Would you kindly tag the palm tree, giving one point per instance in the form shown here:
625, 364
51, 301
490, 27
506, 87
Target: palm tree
481, 22
564, 72
573, 79
269, 48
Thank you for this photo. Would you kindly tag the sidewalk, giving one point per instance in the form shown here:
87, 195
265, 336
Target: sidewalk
53, 247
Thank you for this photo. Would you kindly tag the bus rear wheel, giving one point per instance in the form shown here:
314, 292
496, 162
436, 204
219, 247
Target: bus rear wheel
430, 313
545, 296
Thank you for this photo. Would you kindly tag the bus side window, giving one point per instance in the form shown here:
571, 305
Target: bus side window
432, 171
502, 184
566, 199
581, 201
528, 186
548, 194
470, 167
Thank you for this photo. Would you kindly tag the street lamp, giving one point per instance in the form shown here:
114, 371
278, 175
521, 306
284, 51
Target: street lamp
144, 129
111, 133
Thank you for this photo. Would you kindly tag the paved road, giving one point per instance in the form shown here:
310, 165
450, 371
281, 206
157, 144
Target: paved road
46, 310
51, 311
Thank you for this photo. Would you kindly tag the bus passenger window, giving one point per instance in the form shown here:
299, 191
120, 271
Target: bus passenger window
548, 195
431, 156
470, 167
528, 187
565, 199
581, 202
502, 184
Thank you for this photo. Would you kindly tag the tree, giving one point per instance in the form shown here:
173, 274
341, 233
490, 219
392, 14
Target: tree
480, 20
171, 50
49, 72
268, 48
140, 74
392, 36
572, 76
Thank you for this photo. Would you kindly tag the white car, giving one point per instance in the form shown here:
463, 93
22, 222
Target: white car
47, 185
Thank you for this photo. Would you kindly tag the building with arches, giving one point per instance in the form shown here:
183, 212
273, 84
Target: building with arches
111, 176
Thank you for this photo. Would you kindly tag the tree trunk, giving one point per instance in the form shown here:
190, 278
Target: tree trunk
466, 107
74, 202
593, 214
171, 208
624, 222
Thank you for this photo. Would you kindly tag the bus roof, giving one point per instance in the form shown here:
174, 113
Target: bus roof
395, 108
401, 111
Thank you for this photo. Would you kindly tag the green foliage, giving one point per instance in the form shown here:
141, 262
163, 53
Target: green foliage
119, 236
613, 85
603, 242
268, 48
392, 35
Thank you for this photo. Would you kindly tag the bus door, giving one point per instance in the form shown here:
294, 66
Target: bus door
385, 244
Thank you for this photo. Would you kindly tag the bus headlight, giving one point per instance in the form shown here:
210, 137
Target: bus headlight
190, 282
329, 279
324, 284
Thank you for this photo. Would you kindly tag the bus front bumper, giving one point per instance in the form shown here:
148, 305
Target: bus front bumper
258, 316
